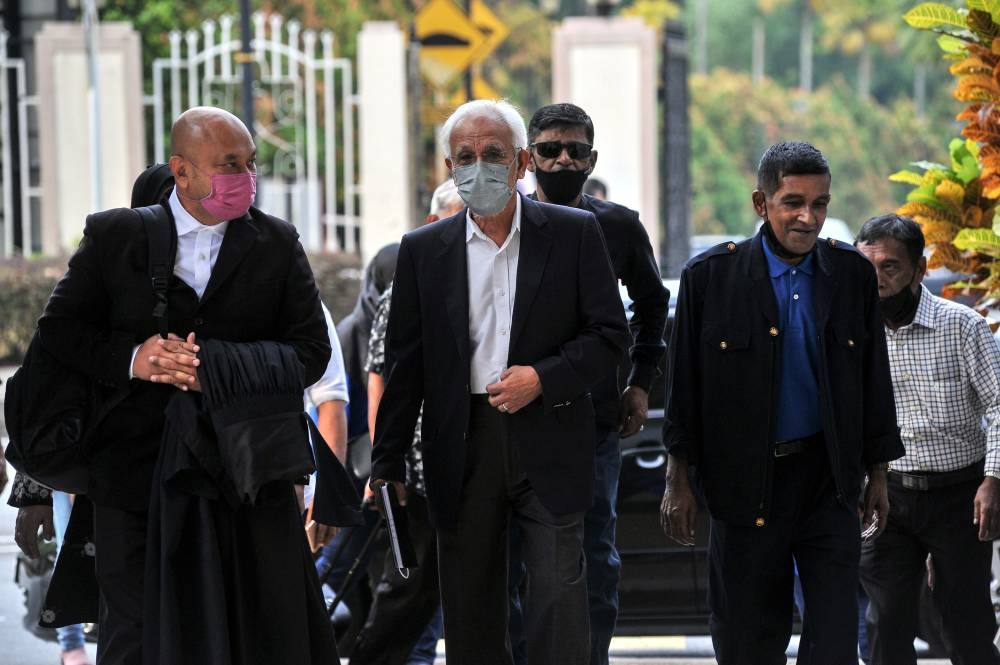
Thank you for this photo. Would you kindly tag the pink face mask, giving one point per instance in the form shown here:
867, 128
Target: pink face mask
231, 195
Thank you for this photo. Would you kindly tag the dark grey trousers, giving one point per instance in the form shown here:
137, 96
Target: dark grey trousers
472, 559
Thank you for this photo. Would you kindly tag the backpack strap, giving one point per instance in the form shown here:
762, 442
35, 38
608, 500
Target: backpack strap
162, 249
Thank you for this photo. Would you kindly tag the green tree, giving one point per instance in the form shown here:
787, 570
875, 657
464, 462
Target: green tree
860, 28
155, 19
734, 119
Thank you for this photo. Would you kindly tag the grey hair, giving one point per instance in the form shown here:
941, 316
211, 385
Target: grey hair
498, 108
445, 197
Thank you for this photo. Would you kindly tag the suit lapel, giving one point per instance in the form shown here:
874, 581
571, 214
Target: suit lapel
453, 256
240, 236
532, 257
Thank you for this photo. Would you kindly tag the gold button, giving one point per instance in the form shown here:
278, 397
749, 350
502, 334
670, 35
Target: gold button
731, 247
759, 521
850, 343
833, 242
723, 345
773, 332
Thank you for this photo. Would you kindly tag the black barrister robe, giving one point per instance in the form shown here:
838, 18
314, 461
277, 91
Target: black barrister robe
229, 576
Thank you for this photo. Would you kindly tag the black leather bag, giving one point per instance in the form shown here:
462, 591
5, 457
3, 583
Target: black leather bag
52, 410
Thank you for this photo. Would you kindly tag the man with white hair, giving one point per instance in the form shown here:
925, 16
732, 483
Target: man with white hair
505, 316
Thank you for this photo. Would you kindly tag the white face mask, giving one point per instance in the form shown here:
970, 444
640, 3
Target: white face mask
483, 186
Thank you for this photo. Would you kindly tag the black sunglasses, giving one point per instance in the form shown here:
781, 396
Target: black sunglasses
552, 149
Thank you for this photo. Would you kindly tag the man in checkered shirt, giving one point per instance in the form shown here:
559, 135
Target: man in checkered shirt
945, 492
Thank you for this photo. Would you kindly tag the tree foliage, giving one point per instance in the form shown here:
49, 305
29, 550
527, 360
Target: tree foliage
734, 120
955, 204
844, 31
155, 19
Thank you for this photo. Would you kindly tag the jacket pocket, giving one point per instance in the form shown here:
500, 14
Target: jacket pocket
725, 339
580, 409
851, 338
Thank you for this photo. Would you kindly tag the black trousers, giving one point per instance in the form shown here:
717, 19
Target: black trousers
402, 607
120, 540
472, 558
936, 522
751, 574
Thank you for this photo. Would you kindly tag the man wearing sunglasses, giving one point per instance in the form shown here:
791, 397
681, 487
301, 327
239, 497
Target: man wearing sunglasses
561, 138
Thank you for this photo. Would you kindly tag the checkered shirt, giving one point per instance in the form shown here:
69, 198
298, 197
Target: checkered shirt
946, 380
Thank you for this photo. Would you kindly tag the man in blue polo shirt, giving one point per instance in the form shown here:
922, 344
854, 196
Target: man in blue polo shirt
780, 398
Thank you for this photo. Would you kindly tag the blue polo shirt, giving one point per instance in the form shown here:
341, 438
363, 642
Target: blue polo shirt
797, 412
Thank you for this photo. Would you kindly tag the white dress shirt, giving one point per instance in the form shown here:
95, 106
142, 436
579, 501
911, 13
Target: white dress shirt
333, 384
197, 246
197, 250
492, 284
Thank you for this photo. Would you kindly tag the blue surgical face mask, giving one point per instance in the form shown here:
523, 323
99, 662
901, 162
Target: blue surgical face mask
483, 186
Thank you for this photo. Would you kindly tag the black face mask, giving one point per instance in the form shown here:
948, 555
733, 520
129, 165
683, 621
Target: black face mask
561, 187
900, 308
779, 250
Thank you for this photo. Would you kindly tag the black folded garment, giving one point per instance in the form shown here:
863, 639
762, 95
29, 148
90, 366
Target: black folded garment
252, 393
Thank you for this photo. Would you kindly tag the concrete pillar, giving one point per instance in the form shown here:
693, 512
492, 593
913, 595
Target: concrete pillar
607, 66
64, 125
675, 202
384, 142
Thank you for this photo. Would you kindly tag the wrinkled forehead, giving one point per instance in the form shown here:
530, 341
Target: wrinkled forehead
481, 131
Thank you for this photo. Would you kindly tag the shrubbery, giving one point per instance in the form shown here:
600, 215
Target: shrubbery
25, 286
733, 120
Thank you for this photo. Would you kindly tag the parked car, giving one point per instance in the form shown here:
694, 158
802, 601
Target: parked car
663, 588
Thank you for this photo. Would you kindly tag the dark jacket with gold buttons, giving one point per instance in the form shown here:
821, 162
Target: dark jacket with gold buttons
722, 387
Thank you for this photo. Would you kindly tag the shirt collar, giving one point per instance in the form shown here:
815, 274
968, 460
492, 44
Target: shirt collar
925, 315
472, 229
185, 221
776, 267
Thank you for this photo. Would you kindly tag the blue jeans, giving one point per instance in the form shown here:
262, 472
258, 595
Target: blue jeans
70, 637
603, 563
425, 650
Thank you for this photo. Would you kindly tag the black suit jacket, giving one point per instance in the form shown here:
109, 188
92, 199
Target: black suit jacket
261, 288
568, 323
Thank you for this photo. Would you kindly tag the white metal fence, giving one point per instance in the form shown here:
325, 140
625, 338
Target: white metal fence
19, 197
305, 120
305, 117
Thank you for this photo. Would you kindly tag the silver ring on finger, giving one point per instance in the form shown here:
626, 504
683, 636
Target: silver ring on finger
503, 407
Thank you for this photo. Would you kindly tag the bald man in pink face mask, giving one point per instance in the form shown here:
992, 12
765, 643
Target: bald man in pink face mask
239, 276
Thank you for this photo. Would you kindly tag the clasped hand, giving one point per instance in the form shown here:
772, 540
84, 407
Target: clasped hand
172, 360
518, 386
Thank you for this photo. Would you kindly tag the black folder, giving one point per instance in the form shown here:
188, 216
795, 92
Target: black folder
398, 527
